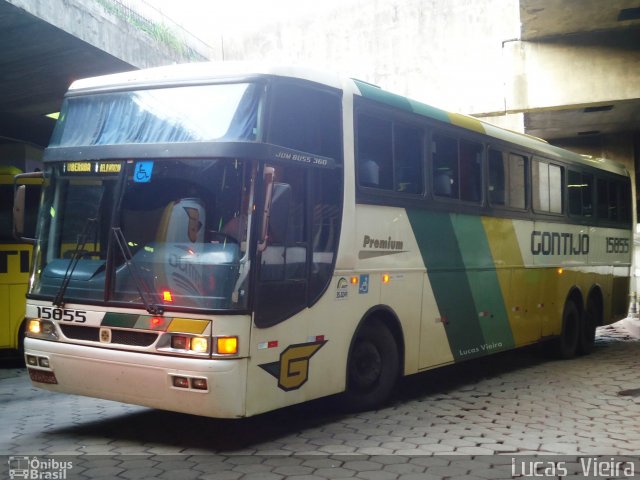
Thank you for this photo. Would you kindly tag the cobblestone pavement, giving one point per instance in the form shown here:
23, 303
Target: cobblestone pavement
514, 403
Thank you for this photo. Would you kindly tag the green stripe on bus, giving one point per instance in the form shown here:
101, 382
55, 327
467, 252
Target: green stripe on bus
374, 93
484, 283
429, 111
446, 270
122, 320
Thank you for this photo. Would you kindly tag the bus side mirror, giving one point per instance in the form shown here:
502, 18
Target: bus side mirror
20, 183
20, 193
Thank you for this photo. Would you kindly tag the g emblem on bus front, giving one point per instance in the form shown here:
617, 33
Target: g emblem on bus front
105, 335
292, 371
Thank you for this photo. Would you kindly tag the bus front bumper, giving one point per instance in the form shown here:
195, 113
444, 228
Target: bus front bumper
157, 381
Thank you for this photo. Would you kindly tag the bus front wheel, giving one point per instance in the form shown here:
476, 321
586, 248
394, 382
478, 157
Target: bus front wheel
372, 369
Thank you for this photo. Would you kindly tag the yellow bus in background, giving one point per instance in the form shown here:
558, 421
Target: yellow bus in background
15, 260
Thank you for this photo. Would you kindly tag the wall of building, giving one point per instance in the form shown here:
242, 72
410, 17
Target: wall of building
447, 54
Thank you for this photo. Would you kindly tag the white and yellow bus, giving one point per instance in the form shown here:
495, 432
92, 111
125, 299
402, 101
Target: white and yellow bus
15, 260
226, 240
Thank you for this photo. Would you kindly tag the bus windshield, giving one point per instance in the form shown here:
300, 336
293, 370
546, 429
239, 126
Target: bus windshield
157, 234
203, 113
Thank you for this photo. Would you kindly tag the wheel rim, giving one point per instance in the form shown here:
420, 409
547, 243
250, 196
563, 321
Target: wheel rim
366, 366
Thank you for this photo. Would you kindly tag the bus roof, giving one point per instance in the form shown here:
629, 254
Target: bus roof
204, 72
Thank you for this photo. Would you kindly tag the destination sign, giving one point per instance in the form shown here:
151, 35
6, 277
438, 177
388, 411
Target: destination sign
90, 168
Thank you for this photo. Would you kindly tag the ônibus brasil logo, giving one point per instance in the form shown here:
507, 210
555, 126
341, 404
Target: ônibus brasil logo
34, 468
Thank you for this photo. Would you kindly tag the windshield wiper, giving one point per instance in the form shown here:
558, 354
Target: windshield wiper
58, 301
141, 286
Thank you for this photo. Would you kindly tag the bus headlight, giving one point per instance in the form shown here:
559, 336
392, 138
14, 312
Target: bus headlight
39, 328
193, 344
199, 345
34, 326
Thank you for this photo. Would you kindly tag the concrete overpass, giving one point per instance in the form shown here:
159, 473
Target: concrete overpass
46, 44
575, 72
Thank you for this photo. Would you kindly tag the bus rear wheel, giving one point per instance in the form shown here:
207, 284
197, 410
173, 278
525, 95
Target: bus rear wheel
373, 366
567, 345
588, 327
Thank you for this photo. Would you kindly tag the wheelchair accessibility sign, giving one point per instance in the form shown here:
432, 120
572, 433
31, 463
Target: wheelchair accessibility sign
364, 284
142, 172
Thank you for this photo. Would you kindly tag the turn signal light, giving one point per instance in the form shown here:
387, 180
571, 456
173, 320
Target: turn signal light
227, 345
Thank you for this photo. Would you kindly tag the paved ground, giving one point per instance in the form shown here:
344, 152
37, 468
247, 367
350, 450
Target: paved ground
517, 403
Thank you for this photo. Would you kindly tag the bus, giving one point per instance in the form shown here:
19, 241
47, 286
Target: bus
225, 240
15, 258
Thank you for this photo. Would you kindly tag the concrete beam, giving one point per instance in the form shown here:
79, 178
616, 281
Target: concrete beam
572, 72
92, 23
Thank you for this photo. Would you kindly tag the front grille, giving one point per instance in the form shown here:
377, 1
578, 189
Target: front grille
89, 334
138, 339
120, 337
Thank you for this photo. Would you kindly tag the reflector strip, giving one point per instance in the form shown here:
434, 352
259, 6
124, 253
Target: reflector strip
188, 325
122, 320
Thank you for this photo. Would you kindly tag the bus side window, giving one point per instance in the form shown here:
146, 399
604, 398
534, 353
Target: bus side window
470, 171
375, 152
408, 145
497, 173
547, 187
445, 166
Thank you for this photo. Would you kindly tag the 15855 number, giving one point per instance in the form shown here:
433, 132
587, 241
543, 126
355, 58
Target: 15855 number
62, 315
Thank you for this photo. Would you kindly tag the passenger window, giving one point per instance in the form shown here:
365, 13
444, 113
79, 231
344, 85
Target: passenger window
498, 170
457, 168
625, 202
445, 166
408, 159
375, 152
580, 186
507, 179
555, 189
517, 181
613, 200
603, 199
470, 171
547, 187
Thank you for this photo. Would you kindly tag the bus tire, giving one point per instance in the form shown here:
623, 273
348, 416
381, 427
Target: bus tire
372, 369
588, 328
22, 333
567, 344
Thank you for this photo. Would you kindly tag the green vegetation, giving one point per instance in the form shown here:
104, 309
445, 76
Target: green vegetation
158, 31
